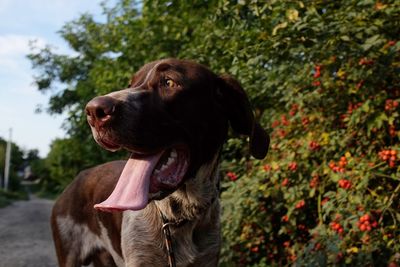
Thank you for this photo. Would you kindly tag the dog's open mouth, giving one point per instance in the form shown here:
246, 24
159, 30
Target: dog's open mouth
144, 174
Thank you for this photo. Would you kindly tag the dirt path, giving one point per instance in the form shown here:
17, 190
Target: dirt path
25, 238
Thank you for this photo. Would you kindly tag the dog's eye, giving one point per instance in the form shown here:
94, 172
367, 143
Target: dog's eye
170, 83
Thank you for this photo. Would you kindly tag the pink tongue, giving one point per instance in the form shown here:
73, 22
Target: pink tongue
132, 189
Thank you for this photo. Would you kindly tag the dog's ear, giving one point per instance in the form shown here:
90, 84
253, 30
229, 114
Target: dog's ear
240, 115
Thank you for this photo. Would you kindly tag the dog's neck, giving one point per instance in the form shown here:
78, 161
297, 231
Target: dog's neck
194, 197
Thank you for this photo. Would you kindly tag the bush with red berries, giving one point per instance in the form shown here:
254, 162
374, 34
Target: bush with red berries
329, 191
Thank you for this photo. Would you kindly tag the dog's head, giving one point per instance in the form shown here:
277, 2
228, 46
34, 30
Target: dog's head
173, 118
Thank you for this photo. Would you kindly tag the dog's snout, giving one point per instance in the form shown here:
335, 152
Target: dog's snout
100, 110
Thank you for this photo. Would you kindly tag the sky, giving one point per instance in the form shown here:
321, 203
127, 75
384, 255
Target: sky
20, 22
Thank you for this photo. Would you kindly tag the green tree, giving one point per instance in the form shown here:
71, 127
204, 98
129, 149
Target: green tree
16, 164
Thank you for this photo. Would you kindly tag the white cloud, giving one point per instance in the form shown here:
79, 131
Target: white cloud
12, 45
14, 66
47, 14
13, 52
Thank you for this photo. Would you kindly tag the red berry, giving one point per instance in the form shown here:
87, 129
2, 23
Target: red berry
316, 83
305, 121
392, 131
275, 123
345, 184
254, 249
314, 181
359, 84
267, 167
293, 109
300, 204
365, 218
324, 201
313, 145
293, 166
301, 227
281, 133
232, 176
392, 164
337, 227
332, 165
284, 120
336, 169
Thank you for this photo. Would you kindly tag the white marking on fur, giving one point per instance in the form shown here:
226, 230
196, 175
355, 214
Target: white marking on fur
82, 241
123, 94
141, 242
150, 73
109, 247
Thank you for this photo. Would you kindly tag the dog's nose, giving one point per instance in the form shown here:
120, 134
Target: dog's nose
100, 110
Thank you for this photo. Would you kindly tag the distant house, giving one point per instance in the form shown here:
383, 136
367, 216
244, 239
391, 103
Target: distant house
28, 175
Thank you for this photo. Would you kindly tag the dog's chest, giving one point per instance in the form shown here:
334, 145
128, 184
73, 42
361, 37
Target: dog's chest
143, 242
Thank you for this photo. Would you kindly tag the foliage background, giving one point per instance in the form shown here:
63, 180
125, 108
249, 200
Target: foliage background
19, 160
323, 76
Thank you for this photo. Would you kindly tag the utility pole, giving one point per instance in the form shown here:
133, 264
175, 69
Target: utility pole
8, 160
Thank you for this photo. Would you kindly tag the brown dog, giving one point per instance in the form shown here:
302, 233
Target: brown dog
173, 119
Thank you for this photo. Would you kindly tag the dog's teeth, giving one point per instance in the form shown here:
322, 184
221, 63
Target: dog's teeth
174, 154
170, 160
164, 167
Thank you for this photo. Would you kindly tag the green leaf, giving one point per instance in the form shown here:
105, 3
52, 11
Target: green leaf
278, 27
345, 38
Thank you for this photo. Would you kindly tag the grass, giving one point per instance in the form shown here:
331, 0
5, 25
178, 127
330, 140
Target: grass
7, 197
